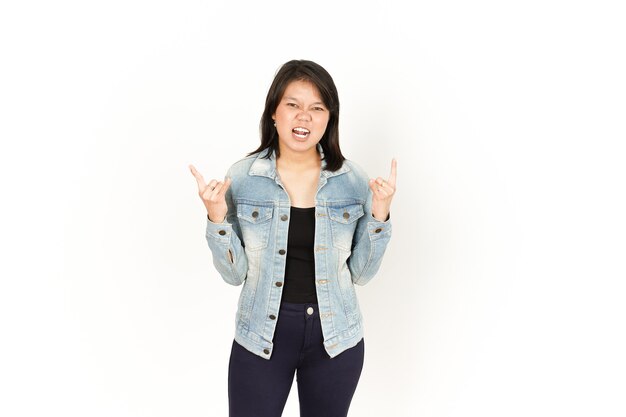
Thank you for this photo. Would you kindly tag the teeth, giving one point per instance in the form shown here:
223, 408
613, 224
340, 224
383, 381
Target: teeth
301, 130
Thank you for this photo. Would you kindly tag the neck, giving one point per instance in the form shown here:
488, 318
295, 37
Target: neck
299, 161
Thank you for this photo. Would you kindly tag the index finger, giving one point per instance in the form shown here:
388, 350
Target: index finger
198, 176
394, 170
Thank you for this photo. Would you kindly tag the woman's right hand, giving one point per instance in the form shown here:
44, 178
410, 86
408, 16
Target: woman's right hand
212, 195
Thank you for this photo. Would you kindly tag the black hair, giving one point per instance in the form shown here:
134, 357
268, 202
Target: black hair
303, 70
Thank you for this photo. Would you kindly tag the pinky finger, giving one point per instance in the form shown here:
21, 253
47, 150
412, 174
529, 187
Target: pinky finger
225, 186
375, 187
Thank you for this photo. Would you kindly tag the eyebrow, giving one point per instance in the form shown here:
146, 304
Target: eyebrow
295, 99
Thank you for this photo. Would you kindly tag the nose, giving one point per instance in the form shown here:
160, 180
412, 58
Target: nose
304, 116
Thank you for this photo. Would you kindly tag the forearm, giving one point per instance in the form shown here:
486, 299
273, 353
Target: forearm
229, 256
367, 253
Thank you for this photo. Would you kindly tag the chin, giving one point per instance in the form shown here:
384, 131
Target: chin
299, 146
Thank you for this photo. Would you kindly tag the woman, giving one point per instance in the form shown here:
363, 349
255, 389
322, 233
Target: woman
298, 225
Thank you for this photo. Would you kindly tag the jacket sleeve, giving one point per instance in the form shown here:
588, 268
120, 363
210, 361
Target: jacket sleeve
226, 244
368, 245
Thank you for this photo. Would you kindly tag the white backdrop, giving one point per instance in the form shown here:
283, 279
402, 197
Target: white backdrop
501, 293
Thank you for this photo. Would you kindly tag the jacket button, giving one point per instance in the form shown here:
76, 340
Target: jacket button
273, 317
284, 217
378, 230
279, 284
346, 215
282, 251
266, 351
222, 232
255, 214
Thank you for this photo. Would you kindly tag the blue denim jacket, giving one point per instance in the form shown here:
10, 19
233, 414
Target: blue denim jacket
250, 245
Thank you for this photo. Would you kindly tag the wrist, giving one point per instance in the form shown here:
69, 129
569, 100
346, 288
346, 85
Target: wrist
213, 221
378, 218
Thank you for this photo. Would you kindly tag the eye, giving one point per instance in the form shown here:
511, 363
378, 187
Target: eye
318, 108
292, 104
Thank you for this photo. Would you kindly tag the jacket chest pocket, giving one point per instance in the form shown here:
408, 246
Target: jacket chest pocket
343, 221
255, 221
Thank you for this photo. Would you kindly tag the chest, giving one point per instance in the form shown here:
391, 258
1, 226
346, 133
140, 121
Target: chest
301, 187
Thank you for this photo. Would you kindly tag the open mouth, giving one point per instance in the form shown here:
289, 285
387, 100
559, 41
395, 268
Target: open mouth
301, 132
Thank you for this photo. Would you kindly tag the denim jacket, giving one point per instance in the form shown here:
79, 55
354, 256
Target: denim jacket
249, 248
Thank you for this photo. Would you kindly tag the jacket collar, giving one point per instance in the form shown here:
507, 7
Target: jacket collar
267, 167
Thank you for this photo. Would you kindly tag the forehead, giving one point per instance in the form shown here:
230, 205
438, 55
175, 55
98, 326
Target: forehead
303, 90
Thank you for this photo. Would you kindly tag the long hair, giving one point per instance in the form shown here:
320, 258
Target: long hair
303, 70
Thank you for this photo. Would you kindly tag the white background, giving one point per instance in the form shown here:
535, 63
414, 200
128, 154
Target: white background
501, 293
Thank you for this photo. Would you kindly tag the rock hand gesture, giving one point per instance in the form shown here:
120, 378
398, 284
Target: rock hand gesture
212, 195
383, 192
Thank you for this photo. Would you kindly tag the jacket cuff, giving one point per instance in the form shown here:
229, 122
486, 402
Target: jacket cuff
219, 231
373, 219
377, 229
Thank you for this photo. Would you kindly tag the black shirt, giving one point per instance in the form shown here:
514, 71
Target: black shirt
299, 284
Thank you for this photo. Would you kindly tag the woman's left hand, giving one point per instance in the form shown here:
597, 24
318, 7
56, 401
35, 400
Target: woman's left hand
383, 192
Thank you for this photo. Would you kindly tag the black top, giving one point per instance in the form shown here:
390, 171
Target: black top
299, 284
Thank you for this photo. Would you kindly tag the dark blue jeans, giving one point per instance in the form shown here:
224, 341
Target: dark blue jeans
259, 387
